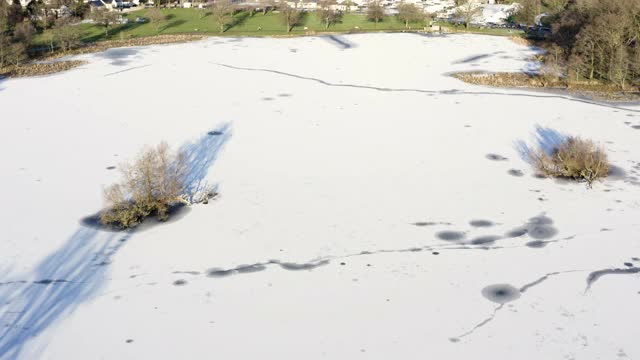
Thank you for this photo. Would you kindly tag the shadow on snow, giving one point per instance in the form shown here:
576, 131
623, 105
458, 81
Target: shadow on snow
73, 273
546, 139
61, 282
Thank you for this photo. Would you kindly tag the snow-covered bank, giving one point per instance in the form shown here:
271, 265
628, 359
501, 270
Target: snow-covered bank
345, 168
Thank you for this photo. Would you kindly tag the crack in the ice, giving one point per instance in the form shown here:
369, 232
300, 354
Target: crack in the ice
522, 290
432, 92
251, 268
526, 287
537, 282
596, 275
479, 325
129, 69
320, 261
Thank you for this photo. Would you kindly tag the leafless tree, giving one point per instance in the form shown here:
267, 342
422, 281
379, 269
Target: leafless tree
150, 185
24, 32
556, 6
467, 10
105, 18
266, 5
4, 21
222, 13
5, 44
409, 13
528, 11
601, 41
157, 17
290, 15
327, 12
375, 12
17, 53
66, 34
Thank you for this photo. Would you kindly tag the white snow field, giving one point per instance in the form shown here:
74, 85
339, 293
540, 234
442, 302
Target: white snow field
371, 207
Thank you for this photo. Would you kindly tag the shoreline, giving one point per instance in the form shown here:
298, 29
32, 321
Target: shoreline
594, 92
38, 66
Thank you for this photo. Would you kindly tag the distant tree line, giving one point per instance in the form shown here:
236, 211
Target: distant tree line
591, 40
19, 25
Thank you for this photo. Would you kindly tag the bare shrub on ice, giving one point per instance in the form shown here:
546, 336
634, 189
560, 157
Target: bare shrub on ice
150, 185
574, 158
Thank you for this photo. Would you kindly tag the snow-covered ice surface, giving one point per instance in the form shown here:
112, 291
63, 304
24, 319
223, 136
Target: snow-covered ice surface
371, 207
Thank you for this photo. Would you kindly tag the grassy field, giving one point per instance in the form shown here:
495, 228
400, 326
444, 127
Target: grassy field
180, 21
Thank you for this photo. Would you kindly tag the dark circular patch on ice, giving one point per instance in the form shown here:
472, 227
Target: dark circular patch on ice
129, 341
637, 127
542, 232
501, 293
485, 240
539, 176
536, 244
541, 220
496, 157
180, 282
628, 264
215, 133
481, 223
450, 235
517, 233
516, 172
110, 167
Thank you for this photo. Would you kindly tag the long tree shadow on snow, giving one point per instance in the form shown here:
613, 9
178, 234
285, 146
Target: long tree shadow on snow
74, 273
339, 41
200, 156
61, 282
546, 139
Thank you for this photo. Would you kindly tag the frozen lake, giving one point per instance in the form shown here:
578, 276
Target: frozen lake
371, 207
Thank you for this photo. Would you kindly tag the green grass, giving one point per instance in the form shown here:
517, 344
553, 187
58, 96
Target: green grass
181, 21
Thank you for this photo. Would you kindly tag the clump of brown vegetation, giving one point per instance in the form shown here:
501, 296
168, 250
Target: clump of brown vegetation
37, 69
522, 41
574, 158
504, 79
151, 185
136, 41
591, 89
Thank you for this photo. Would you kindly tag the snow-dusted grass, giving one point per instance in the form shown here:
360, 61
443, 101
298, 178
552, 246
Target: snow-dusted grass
340, 162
